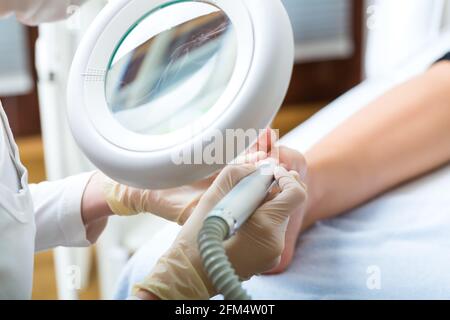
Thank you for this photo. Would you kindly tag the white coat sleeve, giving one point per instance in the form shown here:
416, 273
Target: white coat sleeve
33, 12
57, 207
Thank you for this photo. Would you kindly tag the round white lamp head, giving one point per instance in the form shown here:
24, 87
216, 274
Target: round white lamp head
154, 80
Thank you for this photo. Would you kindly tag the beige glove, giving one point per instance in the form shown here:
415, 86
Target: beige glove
174, 204
255, 248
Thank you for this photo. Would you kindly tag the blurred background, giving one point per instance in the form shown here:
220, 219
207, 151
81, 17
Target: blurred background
339, 43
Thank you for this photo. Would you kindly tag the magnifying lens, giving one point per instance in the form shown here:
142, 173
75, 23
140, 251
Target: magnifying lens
155, 79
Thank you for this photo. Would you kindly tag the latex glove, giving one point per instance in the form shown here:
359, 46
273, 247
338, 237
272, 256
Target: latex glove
175, 204
255, 248
292, 160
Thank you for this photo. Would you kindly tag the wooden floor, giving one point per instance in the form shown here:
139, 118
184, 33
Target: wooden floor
290, 117
44, 286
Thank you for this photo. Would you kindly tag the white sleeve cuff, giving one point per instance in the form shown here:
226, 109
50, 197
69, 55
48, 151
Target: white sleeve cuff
57, 212
69, 216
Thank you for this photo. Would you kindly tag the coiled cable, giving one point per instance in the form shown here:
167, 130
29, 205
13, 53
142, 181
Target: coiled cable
215, 260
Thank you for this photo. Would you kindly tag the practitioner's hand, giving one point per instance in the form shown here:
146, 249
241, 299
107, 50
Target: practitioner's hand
175, 204
255, 248
291, 160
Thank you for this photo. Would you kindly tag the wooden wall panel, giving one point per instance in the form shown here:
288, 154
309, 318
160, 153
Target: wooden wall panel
326, 80
23, 111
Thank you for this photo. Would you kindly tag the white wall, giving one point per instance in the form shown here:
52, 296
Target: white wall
398, 30
322, 28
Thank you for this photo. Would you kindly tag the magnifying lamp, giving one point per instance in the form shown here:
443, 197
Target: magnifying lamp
154, 78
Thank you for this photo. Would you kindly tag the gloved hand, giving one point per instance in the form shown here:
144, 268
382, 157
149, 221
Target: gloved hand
293, 160
255, 248
175, 204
